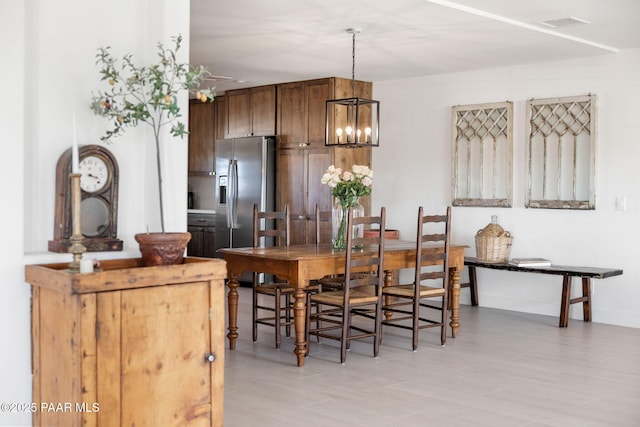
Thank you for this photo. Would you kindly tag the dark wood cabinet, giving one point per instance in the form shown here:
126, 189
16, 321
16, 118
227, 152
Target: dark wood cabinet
201, 227
202, 124
301, 113
251, 112
221, 117
298, 183
302, 155
206, 124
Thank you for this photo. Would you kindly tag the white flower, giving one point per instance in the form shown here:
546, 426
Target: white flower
347, 176
326, 178
366, 181
359, 170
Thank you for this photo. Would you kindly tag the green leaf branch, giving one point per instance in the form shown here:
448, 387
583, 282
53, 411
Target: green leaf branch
147, 94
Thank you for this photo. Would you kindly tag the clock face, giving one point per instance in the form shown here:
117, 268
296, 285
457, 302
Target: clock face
94, 174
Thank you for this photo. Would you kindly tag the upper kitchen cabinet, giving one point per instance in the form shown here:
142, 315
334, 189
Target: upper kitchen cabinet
201, 137
251, 112
221, 117
206, 124
301, 112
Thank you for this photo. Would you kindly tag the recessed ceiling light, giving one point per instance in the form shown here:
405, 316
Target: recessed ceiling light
564, 22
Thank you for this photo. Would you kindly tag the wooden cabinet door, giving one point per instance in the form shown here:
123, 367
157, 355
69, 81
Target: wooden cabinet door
291, 187
298, 183
292, 116
251, 111
318, 92
301, 113
162, 337
221, 117
195, 247
201, 137
208, 243
263, 110
238, 113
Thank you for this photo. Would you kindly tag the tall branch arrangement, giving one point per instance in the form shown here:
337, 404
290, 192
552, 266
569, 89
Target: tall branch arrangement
147, 94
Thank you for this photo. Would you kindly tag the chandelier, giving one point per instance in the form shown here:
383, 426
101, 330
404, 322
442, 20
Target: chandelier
352, 122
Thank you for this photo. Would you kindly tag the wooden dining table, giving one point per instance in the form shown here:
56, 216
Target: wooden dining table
300, 264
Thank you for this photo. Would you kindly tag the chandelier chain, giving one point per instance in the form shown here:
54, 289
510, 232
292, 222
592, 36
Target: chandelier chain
353, 65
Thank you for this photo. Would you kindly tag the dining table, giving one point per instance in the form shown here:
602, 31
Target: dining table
301, 264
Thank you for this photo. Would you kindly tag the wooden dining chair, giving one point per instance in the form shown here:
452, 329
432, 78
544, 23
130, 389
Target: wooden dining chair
360, 297
430, 287
271, 229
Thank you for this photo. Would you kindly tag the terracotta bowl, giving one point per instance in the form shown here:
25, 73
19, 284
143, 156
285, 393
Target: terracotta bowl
162, 248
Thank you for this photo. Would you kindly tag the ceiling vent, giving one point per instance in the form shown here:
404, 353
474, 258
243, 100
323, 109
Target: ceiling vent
564, 22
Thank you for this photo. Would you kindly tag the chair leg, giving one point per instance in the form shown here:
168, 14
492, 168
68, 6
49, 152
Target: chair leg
346, 324
416, 322
444, 319
278, 318
255, 315
378, 328
287, 314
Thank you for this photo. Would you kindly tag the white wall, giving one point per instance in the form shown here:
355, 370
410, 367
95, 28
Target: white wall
413, 167
48, 55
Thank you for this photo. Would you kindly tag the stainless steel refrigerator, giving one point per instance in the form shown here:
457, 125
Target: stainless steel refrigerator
245, 174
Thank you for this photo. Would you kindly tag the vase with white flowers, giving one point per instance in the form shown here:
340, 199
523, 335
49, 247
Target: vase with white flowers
347, 187
149, 94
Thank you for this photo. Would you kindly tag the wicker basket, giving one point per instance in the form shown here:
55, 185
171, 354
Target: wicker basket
493, 244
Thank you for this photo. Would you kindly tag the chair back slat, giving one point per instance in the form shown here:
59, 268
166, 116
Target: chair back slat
271, 228
434, 229
323, 225
373, 263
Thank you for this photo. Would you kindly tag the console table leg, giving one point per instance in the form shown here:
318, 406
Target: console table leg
473, 285
586, 294
566, 301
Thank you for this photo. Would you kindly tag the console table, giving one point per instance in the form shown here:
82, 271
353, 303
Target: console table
567, 273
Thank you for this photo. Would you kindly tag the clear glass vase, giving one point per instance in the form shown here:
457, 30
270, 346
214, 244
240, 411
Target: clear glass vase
339, 222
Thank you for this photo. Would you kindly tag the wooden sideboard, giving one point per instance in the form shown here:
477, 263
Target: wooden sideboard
129, 345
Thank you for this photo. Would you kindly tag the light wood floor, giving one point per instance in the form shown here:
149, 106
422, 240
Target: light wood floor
504, 369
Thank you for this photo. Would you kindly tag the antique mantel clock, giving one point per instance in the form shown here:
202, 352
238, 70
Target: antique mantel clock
99, 201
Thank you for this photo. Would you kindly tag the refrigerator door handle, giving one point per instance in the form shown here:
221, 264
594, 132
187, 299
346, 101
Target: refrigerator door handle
232, 203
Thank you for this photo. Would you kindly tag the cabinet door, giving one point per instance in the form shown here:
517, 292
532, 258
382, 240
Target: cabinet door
299, 174
195, 246
201, 137
292, 116
238, 113
208, 242
165, 333
318, 92
317, 162
263, 110
221, 117
291, 187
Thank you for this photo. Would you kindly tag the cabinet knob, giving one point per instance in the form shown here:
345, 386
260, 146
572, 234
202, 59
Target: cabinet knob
210, 357
303, 144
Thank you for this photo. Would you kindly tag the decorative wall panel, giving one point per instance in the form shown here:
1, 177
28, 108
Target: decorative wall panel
561, 152
482, 154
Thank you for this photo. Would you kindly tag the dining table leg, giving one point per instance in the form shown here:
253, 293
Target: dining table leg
455, 301
232, 301
299, 318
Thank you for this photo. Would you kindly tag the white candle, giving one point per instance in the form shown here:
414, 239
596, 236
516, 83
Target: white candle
86, 265
75, 156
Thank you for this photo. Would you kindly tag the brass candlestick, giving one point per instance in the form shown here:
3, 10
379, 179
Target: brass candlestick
76, 248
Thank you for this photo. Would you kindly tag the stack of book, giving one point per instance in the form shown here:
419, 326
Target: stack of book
530, 262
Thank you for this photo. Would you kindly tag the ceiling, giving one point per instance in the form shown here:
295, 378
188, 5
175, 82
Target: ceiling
255, 42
